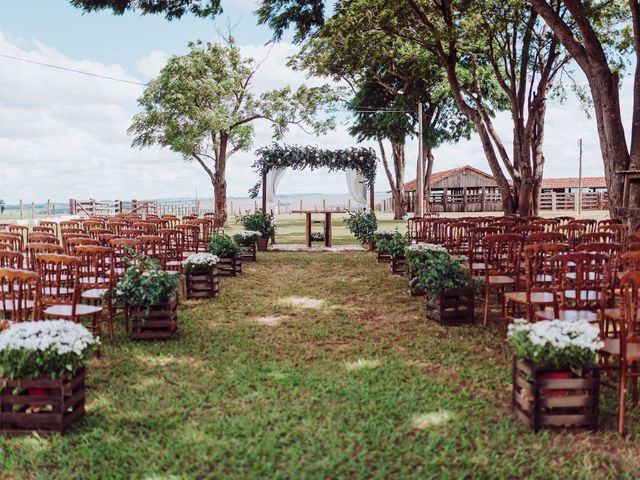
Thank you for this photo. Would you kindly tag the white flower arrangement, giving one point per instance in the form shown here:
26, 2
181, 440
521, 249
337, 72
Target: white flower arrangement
426, 247
44, 348
200, 262
248, 234
556, 343
387, 233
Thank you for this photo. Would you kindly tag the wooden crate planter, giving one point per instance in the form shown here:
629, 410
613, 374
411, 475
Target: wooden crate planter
229, 267
398, 266
249, 253
383, 257
553, 402
453, 307
202, 285
61, 405
160, 324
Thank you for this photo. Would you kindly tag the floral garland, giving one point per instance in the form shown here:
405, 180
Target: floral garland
361, 159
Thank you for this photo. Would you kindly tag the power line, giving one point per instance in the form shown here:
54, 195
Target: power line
72, 70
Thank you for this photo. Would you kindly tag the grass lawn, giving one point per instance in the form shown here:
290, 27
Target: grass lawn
313, 365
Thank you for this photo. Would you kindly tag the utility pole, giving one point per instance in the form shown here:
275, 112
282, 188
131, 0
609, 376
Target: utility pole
420, 172
580, 177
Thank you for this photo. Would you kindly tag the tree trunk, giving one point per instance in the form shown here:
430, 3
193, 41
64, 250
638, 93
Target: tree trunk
220, 180
396, 179
427, 178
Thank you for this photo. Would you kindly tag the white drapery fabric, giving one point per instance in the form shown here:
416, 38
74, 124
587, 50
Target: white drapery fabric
357, 184
273, 179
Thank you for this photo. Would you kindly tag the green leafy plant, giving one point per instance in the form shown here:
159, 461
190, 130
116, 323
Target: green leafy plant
556, 343
433, 269
317, 237
49, 348
258, 221
394, 246
362, 224
144, 285
223, 246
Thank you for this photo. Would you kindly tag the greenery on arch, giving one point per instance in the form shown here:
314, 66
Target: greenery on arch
361, 159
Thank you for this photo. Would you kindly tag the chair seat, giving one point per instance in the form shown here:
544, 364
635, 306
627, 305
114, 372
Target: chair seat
501, 280
585, 295
538, 298
612, 347
66, 310
478, 266
94, 293
568, 315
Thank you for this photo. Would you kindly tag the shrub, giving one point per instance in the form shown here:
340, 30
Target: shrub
144, 285
246, 237
258, 221
384, 234
556, 343
47, 348
223, 246
394, 246
434, 270
362, 224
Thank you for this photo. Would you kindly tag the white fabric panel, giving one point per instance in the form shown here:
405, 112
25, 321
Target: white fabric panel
357, 184
273, 179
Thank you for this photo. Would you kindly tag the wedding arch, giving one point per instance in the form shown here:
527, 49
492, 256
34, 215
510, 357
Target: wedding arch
359, 164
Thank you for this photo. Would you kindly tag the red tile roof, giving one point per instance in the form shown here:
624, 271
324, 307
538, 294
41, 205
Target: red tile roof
572, 182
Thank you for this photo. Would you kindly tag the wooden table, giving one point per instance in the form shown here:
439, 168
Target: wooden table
327, 225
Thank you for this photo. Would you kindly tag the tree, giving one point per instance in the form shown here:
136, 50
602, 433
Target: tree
599, 34
202, 106
388, 78
172, 9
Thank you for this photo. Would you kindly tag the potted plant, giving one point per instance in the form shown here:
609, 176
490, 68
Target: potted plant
362, 224
317, 237
416, 255
262, 222
201, 275
150, 296
383, 235
247, 239
448, 287
42, 371
229, 254
394, 247
555, 380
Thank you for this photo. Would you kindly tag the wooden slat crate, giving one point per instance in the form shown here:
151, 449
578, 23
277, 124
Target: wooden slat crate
203, 285
453, 307
249, 253
398, 266
160, 324
382, 257
61, 405
229, 267
555, 402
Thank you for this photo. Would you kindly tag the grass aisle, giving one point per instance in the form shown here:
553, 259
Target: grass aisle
312, 366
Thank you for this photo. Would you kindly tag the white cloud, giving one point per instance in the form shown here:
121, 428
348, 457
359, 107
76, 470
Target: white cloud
64, 135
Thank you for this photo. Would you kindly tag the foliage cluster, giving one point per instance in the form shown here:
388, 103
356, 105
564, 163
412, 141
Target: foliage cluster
362, 224
258, 221
223, 246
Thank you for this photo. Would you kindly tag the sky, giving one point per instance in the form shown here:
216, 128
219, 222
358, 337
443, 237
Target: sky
63, 135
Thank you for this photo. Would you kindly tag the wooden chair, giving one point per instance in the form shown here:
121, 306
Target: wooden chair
625, 350
87, 225
440, 230
152, 246
581, 283
549, 225
20, 295
597, 237
70, 224
564, 220
11, 259
32, 250
96, 277
60, 290
131, 232
502, 267
457, 237
475, 252
22, 230
190, 236
538, 280
71, 244
52, 225
43, 238
148, 228
590, 225
620, 231
572, 231
546, 237
173, 240
633, 237
5, 246
43, 229
204, 231
14, 239
171, 220
527, 229
634, 247
96, 232
125, 251
609, 221
115, 226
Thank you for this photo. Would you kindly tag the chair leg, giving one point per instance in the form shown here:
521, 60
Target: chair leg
110, 318
623, 388
487, 295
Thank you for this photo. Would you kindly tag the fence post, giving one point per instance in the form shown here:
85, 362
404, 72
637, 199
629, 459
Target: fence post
300, 204
20, 209
33, 210
553, 200
53, 208
48, 206
324, 205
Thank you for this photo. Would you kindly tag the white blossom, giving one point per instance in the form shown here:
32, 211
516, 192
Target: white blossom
200, 260
62, 336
